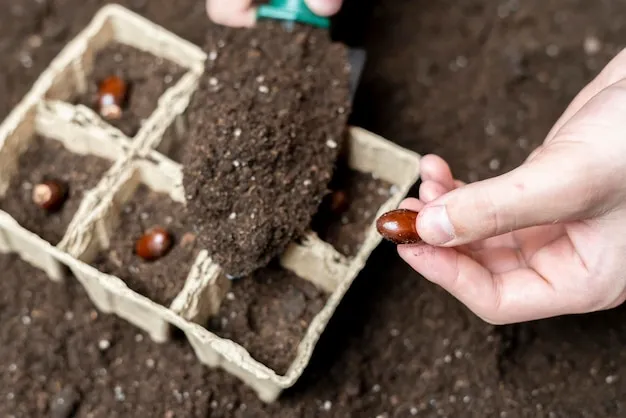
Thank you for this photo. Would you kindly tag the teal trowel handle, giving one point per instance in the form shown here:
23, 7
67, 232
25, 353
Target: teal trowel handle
291, 10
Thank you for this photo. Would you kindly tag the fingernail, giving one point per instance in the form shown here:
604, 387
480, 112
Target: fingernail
434, 225
324, 7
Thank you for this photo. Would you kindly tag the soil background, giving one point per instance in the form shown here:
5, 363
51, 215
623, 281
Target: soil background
479, 82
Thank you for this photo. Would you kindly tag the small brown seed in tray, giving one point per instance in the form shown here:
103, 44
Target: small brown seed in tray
50, 195
111, 95
154, 244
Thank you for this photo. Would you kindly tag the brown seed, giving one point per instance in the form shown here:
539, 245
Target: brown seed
111, 95
339, 201
49, 195
154, 244
398, 226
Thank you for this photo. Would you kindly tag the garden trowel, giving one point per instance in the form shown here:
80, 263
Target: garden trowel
291, 11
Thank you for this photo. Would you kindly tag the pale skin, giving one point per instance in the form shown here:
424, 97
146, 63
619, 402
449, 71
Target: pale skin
240, 13
546, 239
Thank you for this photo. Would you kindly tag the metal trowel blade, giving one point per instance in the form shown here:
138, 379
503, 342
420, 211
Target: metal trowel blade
356, 59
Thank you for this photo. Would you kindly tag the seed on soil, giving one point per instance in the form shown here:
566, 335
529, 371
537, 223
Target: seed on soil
399, 226
49, 195
339, 202
154, 244
111, 95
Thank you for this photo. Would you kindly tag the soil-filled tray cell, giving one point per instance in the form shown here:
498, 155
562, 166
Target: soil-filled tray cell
48, 159
349, 210
146, 76
162, 279
268, 313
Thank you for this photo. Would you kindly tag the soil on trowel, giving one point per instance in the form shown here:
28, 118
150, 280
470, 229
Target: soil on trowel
48, 159
265, 129
268, 313
162, 279
349, 210
147, 77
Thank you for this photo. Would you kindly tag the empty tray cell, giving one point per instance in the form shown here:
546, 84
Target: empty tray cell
349, 210
146, 76
268, 313
159, 280
48, 159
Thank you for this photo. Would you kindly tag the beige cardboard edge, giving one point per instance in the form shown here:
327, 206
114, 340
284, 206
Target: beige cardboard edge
30, 247
170, 108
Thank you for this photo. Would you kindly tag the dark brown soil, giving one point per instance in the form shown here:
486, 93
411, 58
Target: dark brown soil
146, 75
268, 313
265, 128
348, 211
64, 356
479, 82
160, 280
47, 159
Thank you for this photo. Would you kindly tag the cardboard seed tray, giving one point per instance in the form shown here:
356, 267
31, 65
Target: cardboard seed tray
141, 161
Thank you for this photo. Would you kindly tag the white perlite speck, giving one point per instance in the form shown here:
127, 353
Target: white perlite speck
213, 81
104, 344
592, 45
327, 405
264, 89
331, 144
552, 50
237, 133
119, 393
212, 55
232, 216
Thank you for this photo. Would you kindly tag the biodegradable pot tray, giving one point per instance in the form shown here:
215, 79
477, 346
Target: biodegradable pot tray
140, 160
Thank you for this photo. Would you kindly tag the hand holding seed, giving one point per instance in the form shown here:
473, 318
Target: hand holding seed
241, 13
545, 239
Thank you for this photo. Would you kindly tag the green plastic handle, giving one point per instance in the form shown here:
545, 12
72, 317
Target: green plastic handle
291, 10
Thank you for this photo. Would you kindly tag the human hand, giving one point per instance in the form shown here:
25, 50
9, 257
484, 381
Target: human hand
240, 13
546, 239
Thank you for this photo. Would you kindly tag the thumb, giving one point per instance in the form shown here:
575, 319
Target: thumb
555, 186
